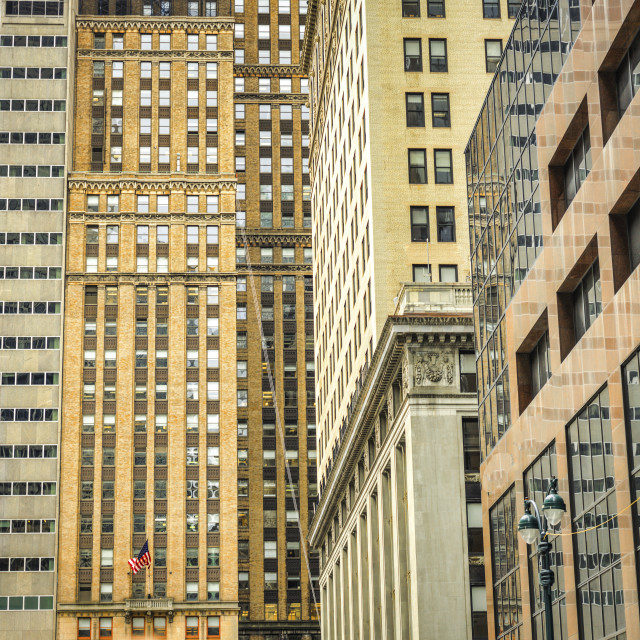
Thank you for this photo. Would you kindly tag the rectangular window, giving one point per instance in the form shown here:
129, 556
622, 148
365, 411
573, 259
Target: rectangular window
417, 166
513, 6
419, 224
540, 367
490, 8
493, 53
435, 9
448, 273
445, 218
410, 8
467, 371
422, 273
440, 111
443, 166
415, 109
627, 76
412, 54
577, 167
587, 301
438, 55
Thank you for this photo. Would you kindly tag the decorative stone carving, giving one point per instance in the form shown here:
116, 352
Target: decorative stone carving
433, 367
405, 376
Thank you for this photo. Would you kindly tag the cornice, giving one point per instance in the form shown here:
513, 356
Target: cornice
267, 70
215, 185
271, 98
151, 217
151, 23
129, 54
146, 278
270, 239
273, 268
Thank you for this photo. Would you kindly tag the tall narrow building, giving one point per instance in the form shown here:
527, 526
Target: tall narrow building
394, 91
34, 104
184, 280
553, 167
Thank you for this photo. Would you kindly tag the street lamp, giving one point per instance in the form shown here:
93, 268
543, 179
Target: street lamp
530, 527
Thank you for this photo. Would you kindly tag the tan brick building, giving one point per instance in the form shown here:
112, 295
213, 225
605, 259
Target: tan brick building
179, 268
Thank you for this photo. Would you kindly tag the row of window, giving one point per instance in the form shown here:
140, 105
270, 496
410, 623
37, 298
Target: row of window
20, 451
420, 226
436, 8
35, 378
210, 204
161, 391
164, 69
31, 171
27, 488
27, 564
33, 105
29, 342
26, 603
164, 41
438, 60
157, 626
440, 110
31, 204
33, 41
31, 238
28, 415
29, 307
30, 273
140, 426
27, 526
443, 166
31, 137
34, 8
34, 73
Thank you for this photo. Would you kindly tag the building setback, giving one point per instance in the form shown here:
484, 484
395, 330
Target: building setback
188, 295
34, 102
552, 169
394, 91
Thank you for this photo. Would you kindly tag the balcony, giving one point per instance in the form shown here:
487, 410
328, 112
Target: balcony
433, 297
149, 606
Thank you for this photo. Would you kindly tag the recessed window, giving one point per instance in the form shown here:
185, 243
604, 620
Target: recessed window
437, 55
540, 367
587, 301
440, 111
443, 166
417, 166
577, 167
448, 273
422, 273
410, 8
513, 6
435, 9
412, 54
415, 109
419, 224
445, 218
493, 53
490, 8
628, 76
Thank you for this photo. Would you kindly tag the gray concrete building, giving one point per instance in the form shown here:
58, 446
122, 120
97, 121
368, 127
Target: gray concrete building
399, 517
33, 126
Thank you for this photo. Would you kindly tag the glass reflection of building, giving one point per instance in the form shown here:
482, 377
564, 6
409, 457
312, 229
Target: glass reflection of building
504, 200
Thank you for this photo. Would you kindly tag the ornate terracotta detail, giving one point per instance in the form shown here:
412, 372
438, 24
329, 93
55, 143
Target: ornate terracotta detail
433, 367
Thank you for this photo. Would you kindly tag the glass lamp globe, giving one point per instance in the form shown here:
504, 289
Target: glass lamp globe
528, 528
553, 508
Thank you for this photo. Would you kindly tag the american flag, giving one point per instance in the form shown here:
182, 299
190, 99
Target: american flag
143, 559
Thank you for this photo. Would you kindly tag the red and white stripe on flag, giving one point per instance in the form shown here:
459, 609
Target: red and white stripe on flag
135, 566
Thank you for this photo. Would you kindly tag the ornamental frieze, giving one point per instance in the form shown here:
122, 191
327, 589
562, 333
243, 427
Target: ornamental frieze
215, 185
149, 23
142, 278
134, 54
272, 98
269, 268
433, 367
267, 70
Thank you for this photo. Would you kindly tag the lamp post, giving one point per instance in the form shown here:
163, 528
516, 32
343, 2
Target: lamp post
530, 527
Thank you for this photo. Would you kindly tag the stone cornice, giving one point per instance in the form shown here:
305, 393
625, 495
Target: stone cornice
268, 70
145, 278
271, 98
152, 217
172, 54
258, 238
158, 23
215, 185
272, 268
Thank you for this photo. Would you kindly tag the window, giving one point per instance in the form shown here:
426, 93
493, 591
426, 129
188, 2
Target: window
513, 6
417, 166
412, 54
410, 8
493, 53
540, 367
448, 273
419, 224
443, 168
440, 111
421, 273
490, 8
627, 76
437, 55
467, 372
471, 441
213, 627
415, 109
587, 301
446, 222
577, 167
435, 9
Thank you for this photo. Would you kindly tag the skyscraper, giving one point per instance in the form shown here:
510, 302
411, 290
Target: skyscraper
34, 102
394, 91
553, 197
184, 280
